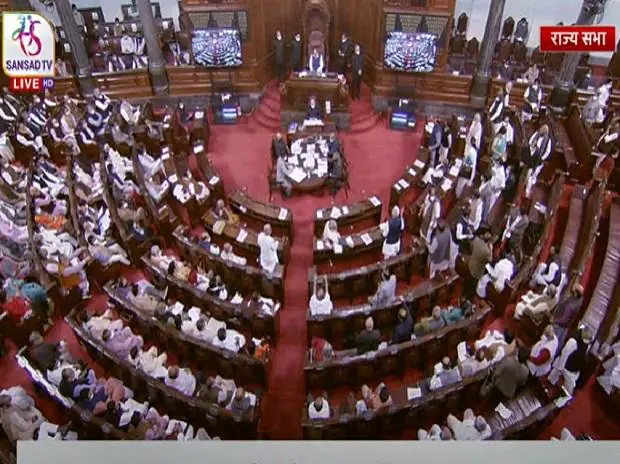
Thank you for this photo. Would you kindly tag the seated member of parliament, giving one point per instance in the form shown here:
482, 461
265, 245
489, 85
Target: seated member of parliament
314, 110
316, 63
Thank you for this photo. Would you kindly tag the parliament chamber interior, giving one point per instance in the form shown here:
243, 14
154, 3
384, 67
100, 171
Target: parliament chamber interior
311, 220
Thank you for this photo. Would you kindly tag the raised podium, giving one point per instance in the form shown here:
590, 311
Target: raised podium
297, 90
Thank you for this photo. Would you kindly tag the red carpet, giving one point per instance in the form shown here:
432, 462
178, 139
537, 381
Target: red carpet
377, 157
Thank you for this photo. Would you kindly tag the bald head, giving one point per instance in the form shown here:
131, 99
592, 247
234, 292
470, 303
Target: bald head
267, 229
369, 323
173, 372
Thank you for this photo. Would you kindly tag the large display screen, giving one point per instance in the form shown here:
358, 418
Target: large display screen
410, 52
217, 48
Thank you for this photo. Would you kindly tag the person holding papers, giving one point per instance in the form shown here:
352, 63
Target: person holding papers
498, 275
282, 173
314, 111
316, 63
393, 231
268, 250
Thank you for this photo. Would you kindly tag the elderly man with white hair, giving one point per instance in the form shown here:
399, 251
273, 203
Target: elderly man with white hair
472, 427
543, 353
392, 230
268, 250
537, 303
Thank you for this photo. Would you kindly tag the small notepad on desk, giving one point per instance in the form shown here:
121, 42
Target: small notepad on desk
375, 201
214, 180
283, 214
338, 249
242, 236
335, 213
367, 239
419, 164
350, 242
319, 214
319, 245
503, 411
413, 393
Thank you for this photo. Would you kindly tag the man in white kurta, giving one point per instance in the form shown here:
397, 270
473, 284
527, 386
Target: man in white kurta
498, 275
268, 250
559, 368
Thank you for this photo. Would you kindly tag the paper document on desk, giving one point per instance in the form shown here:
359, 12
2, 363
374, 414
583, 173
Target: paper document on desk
345, 210
375, 201
542, 209
419, 164
446, 185
283, 214
413, 393
367, 239
242, 236
411, 172
218, 227
350, 241
461, 350
458, 163
335, 213
319, 214
199, 114
214, 180
338, 249
319, 245
403, 183
503, 411
294, 160
454, 171
243, 209
297, 175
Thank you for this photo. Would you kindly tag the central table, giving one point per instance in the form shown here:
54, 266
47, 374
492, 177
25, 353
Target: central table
297, 90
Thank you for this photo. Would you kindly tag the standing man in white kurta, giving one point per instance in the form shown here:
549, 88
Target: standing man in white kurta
268, 250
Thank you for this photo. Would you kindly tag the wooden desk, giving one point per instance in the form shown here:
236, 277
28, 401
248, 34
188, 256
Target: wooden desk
296, 92
349, 215
281, 219
355, 246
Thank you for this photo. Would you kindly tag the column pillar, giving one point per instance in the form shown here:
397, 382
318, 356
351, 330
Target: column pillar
565, 80
157, 65
480, 87
83, 68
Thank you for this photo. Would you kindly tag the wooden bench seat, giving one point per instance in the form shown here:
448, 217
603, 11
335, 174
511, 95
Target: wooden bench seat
344, 322
195, 411
349, 368
125, 84
244, 369
350, 218
280, 219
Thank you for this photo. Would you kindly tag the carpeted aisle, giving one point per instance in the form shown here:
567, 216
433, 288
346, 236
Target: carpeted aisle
241, 154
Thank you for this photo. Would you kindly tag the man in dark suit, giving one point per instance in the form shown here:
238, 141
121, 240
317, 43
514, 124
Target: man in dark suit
344, 52
333, 144
508, 377
296, 53
314, 111
278, 51
334, 171
358, 70
280, 149
368, 339
404, 328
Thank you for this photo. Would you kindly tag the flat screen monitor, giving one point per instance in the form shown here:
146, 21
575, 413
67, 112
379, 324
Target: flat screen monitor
217, 48
410, 52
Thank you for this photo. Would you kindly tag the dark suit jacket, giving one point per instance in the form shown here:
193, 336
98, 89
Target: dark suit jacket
358, 63
367, 340
314, 113
296, 53
279, 148
278, 46
509, 376
403, 330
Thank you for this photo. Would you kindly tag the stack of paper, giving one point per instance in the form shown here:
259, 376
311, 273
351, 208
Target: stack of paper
446, 185
319, 245
335, 213
338, 249
297, 175
375, 201
503, 411
366, 239
319, 214
413, 393
454, 171
283, 214
242, 235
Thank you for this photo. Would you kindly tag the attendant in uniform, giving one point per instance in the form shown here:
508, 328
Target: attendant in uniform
393, 232
314, 111
296, 53
268, 250
446, 142
496, 110
429, 214
316, 63
572, 360
533, 99
344, 51
440, 249
278, 50
543, 352
357, 63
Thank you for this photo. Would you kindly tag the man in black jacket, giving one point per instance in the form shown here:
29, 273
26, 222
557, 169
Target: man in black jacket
296, 53
278, 51
344, 52
368, 339
404, 328
358, 70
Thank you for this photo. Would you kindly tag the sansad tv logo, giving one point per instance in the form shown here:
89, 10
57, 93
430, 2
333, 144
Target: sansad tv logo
28, 51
